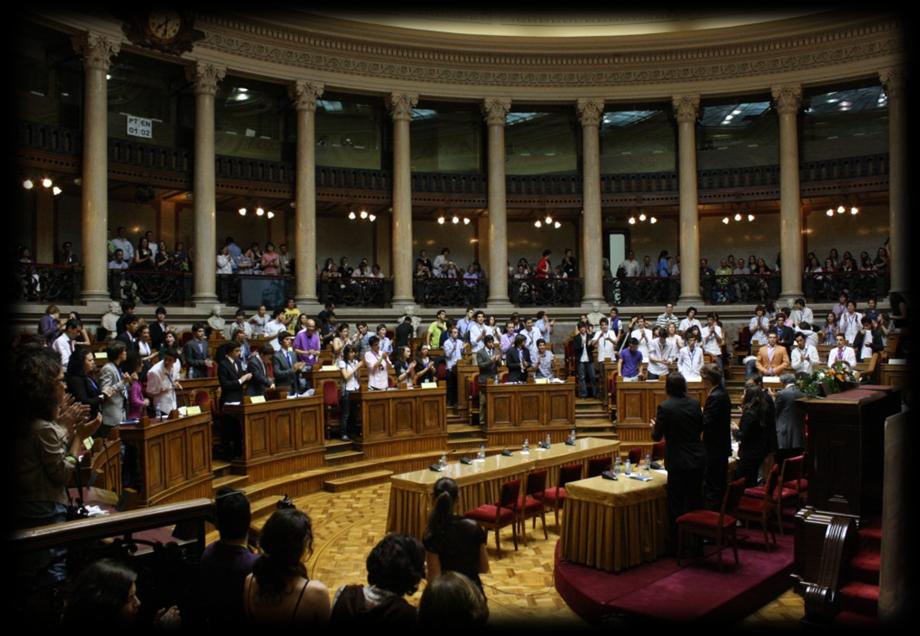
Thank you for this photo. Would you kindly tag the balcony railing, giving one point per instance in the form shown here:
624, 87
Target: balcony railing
641, 290
251, 290
38, 283
545, 292
150, 287
750, 289
50, 138
450, 292
356, 291
859, 286
149, 156
331, 177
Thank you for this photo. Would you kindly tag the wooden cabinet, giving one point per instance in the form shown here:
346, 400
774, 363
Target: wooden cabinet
403, 421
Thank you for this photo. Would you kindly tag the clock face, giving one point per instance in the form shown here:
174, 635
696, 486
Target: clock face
164, 25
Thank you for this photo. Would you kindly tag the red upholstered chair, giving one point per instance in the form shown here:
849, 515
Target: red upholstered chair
712, 524
760, 508
442, 372
391, 381
800, 482
555, 496
598, 465
530, 506
788, 487
498, 515
203, 399
330, 401
658, 451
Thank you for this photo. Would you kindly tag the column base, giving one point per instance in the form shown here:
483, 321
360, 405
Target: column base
498, 303
787, 298
90, 297
691, 299
306, 300
594, 303
205, 301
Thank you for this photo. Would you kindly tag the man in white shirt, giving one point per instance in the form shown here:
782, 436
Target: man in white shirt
685, 323
850, 322
464, 324
804, 356
123, 244
811, 338
240, 324
259, 321
711, 336
386, 345
531, 335
477, 332
275, 326
453, 352
118, 261
544, 362
841, 353
65, 344
669, 316
440, 264
545, 325
163, 382
661, 353
643, 336
605, 343
630, 265
800, 313
690, 360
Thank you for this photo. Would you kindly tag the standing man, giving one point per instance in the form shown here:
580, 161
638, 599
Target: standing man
158, 329
377, 363
163, 382
545, 326
531, 334
477, 332
433, 334
231, 377
545, 364
690, 359
487, 359
717, 440
667, 317
306, 345
804, 356
287, 367
790, 420
404, 332
680, 423
661, 353
453, 352
711, 335
516, 360
65, 344
260, 365
465, 323
583, 350
196, 353
605, 341
772, 359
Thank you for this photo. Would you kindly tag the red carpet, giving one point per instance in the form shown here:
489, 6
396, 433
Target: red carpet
662, 591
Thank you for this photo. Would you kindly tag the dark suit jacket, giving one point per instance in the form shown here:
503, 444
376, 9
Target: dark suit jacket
84, 392
196, 352
754, 438
790, 418
285, 376
771, 422
717, 421
577, 348
680, 423
260, 380
487, 368
157, 335
125, 337
513, 359
786, 337
403, 333
229, 377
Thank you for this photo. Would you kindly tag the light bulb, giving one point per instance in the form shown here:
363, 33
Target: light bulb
537, 223
363, 214
725, 220
260, 211
557, 225
27, 184
830, 212
750, 217
653, 220
270, 214
46, 182
352, 215
738, 216
548, 220
632, 220
841, 209
107, 76
372, 217
642, 217
242, 211
466, 220
441, 220
854, 210
56, 191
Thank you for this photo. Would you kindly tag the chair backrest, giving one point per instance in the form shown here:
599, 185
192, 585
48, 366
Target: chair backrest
598, 465
391, 381
733, 495
330, 394
572, 472
474, 388
203, 399
658, 450
635, 454
509, 494
793, 469
536, 482
442, 371
774, 484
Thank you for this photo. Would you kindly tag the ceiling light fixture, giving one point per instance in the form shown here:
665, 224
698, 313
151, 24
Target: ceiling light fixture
537, 223
270, 214
830, 212
56, 191
750, 217
242, 211
47, 183
372, 217
260, 211
653, 220
738, 216
632, 220
352, 215
725, 220
441, 220
642, 217
557, 225
854, 210
455, 220
28, 184
466, 220
363, 214
548, 220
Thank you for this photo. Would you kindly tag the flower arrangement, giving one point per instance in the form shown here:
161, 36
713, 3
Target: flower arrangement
833, 379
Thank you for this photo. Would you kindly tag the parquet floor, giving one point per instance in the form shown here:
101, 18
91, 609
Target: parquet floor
519, 587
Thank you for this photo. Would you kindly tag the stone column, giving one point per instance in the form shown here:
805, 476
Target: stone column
495, 110
400, 107
590, 112
97, 52
205, 76
787, 100
304, 95
686, 109
898, 223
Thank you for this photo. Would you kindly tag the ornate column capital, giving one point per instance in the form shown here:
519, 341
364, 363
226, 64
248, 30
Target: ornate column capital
97, 50
787, 99
495, 109
590, 110
206, 76
686, 108
892, 81
304, 93
400, 105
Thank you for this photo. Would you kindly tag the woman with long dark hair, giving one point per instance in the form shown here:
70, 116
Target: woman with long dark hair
453, 543
279, 590
104, 594
753, 434
82, 382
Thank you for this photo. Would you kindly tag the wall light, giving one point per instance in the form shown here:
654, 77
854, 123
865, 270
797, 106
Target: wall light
725, 220
270, 214
372, 217
557, 225
28, 184
455, 220
537, 223
47, 183
260, 211
242, 211
56, 191
440, 220
466, 220
653, 220
352, 215
548, 220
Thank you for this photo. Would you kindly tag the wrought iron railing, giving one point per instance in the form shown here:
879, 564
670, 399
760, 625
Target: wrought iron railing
356, 291
50, 138
168, 158
749, 289
859, 286
449, 183
651, 182
39, 283
641, 290
544, 184
450, 292
251, 290
332, 177
545, 292
150, 287
254, 169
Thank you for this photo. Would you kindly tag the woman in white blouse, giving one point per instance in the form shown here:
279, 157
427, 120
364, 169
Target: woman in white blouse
224, 261
674, 338
759, 326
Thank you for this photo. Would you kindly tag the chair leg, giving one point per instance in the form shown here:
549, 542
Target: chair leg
523, 522
719, 553
543, 520
498, 544
514, 536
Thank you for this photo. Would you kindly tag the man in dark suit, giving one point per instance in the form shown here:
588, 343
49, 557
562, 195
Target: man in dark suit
790, 420
784, 335
583, 350
158, 329
769, 419
259, 365
127, 310
717, 437
680, 423
231, 377
196, 353
287, 367
487, 359
404, 332
128, 336
517, 361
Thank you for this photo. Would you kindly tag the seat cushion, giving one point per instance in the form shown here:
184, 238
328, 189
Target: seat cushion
528, 504
751, 505
551, 495
760, 492
486, 514
792, 484
705, 518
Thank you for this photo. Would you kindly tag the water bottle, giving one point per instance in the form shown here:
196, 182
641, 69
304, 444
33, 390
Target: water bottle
628, 466
548, 440
526, 446
617, 466
648, 461
482, 452
572, 435
443, 461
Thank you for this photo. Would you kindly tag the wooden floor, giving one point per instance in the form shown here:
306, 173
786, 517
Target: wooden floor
519, 588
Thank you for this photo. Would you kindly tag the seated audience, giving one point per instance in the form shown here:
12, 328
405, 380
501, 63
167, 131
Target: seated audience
103, 594
452, 602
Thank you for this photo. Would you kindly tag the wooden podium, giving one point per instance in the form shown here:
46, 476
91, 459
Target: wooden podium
637, 405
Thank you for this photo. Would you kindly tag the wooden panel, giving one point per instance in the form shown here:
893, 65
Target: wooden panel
199, 451
631, 406
560, 409
282, 432
402, 416
257, 435
431, 414
153, 465
175, 459
376, 419
500, 410
310, 428
531, 408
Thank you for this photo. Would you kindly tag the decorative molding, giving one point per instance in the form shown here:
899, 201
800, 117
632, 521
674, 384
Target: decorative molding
590, 111
304, 93
205, 76
686, 108
495, 110
893, 81
97, 50
400, 105
787, 99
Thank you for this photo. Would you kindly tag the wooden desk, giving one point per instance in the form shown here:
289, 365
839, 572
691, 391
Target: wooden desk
637, 405
403, 421
190, 386
280, 437
174, 457
612, 525
896, 375
479, 483
106, 464
515, 411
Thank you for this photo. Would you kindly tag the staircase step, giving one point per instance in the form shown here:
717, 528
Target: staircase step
466, 440
866, 566
334, 445
356, 481
342, 457
228, 481
219, 465
861, 598
264, 506
462, 428
597, 434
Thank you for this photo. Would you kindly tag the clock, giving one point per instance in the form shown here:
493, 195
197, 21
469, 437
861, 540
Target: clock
164, 25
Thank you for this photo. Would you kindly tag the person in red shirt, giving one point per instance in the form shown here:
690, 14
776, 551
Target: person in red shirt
543, 267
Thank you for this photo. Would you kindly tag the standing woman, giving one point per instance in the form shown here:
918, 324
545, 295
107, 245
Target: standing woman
453, 543
271, 260
137, 403
828, 333
348, 367
146, 350
753, 434
404, 367
82, 383
143, 255
162, 259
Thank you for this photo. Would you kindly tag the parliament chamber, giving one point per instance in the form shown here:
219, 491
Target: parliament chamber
250, 223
